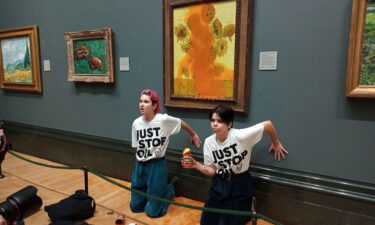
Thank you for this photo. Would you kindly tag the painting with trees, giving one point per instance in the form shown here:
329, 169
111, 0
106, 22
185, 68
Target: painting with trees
368, 61
19, 59
360, 79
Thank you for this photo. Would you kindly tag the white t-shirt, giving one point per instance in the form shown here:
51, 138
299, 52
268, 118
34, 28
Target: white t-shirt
151, 138
232, 155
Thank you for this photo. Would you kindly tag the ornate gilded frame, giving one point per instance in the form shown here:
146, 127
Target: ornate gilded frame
31, 33
89, 35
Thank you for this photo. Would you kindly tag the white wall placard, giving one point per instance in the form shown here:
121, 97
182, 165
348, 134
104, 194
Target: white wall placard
124, 63
47, 65
268, 60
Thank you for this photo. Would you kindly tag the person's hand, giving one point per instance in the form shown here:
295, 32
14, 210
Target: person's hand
3, 221
279, 150
192, 162
194, 138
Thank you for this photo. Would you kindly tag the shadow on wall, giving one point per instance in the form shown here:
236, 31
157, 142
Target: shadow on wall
358, 109
94, 88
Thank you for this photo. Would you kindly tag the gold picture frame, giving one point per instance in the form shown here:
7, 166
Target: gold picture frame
360, 79
19, 59
90, 56
207, 47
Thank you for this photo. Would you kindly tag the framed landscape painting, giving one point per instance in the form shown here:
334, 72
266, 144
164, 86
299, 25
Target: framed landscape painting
360, 81
206, 53
19, 59
90, 56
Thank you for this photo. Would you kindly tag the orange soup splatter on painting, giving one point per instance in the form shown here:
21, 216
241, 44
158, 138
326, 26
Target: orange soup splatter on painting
204, 45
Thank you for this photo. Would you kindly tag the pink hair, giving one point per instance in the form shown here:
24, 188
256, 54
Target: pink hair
154, 96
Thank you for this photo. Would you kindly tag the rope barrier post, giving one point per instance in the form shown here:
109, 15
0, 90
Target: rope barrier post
253, 218
86, 180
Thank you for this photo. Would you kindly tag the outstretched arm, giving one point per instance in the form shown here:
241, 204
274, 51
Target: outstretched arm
206, 170
276, 146
194, 138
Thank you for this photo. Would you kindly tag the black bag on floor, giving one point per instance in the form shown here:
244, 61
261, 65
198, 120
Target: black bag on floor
78, 206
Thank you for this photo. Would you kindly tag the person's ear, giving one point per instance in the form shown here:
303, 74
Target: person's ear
154, 106
230, 124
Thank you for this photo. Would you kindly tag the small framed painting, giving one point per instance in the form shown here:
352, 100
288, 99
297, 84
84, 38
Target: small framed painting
90, 56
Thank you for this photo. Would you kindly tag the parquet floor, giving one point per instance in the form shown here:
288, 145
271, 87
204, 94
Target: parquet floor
56, 184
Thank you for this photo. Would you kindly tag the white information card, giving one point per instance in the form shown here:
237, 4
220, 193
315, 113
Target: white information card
124, 63
47, 65
268, 60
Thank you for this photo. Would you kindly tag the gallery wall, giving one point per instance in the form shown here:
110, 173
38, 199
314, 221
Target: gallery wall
324, 132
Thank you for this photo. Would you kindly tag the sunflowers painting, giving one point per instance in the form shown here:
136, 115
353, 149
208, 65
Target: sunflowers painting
204, 50
207, 47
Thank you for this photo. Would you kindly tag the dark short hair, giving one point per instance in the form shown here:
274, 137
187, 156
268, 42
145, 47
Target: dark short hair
225, 113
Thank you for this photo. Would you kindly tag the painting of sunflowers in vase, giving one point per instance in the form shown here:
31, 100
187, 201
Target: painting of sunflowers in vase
204, 37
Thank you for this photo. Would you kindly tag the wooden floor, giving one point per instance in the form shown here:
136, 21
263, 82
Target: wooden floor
56, 184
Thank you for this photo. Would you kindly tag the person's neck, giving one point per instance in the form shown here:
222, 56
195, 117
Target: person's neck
148, 118
222, 137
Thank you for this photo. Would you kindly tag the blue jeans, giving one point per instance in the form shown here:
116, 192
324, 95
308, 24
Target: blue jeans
234, 194
151, 178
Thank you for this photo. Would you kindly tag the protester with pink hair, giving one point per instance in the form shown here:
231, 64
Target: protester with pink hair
150, 136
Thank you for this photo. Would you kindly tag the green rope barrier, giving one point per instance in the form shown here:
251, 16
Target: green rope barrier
167, 201
46, 165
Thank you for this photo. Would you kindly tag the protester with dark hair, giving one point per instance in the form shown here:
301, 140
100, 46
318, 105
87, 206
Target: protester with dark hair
226, 158
150, 136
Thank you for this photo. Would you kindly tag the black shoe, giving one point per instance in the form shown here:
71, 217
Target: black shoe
177, 186
175, 180
2, 176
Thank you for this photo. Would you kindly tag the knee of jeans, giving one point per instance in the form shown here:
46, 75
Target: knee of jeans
155, 211
137, 206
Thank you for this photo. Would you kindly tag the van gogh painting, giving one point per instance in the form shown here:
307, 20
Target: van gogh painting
205, 53
368, 61
16, 60
360, 79
20, 59
205, 32
90, 56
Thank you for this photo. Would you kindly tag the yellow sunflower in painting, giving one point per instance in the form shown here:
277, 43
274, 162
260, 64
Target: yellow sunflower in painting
210, 13
217, 27
213, 52
221, 47
229, 30
181, 32
186, 46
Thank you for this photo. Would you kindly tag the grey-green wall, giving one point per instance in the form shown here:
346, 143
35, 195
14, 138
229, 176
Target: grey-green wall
325, 132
